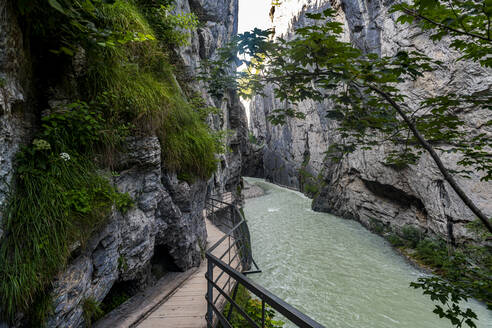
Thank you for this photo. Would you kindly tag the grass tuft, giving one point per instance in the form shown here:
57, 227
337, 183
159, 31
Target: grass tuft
91, 311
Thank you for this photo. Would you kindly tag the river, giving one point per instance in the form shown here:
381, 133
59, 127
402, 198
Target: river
333, 269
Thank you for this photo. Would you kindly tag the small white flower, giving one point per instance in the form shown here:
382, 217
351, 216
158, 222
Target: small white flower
65, 156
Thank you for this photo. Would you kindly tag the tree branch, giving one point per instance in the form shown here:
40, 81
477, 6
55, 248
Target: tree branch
417, 15
449, 178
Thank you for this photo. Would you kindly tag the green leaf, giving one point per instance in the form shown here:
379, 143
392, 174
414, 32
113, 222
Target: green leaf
56, 5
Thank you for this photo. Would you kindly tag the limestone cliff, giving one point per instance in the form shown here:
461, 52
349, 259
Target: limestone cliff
361, 186
167, 222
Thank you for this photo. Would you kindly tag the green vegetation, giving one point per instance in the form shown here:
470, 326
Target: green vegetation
479, 230
115, 298
252, 138
91, 311
462, 273
412, 235
252, 307
310, 185
59, 200
377, 226
450, 297
42, 308
127, 87
311, 189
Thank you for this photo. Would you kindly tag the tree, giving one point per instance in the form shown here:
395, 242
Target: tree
365, 88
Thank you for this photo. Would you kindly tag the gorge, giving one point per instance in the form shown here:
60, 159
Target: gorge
153, 144
362, 186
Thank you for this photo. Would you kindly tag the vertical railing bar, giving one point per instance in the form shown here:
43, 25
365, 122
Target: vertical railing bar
231, 308
262, 313
229, 286
210, 276
238, 308
223, 288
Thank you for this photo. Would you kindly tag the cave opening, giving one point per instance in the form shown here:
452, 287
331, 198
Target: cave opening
162, 262
119, 294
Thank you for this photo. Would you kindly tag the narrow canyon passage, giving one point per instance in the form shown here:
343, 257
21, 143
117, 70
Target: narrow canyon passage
334, 270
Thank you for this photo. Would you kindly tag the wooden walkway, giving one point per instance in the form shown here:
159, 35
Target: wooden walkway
186, 306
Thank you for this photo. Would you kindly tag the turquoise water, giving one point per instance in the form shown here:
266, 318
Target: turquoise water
333, 269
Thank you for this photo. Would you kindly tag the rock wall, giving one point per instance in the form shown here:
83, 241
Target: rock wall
168, 213
361, 186
15, 107
220, 23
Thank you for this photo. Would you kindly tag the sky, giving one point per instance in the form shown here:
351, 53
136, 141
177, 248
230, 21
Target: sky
254, 13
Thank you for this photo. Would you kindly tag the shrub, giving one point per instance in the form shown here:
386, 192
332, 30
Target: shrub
138, 85
170, 28
311, 189
394, 240
411, 235
432, 252
252, 138
376, 226
479, 229
455, 266
252, 307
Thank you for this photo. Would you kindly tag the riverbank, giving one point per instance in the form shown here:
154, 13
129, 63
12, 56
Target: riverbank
252, 190
352, 272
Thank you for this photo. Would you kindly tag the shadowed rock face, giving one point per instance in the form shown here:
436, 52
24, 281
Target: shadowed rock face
15, 119
361, 186
168, 212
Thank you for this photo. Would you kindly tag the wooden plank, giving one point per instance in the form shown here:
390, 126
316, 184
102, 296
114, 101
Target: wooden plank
187, 306
138, 306
176, 322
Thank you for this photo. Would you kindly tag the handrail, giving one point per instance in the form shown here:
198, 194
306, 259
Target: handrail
240, 231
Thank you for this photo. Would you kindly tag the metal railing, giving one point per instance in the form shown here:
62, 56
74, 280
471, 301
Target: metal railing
237, 244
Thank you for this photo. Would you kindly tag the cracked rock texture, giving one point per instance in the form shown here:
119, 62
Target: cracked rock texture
15, 118
361, 186
168, 213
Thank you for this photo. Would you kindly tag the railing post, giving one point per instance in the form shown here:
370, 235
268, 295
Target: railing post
262, 313
213, 211
210, 297
234, 293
